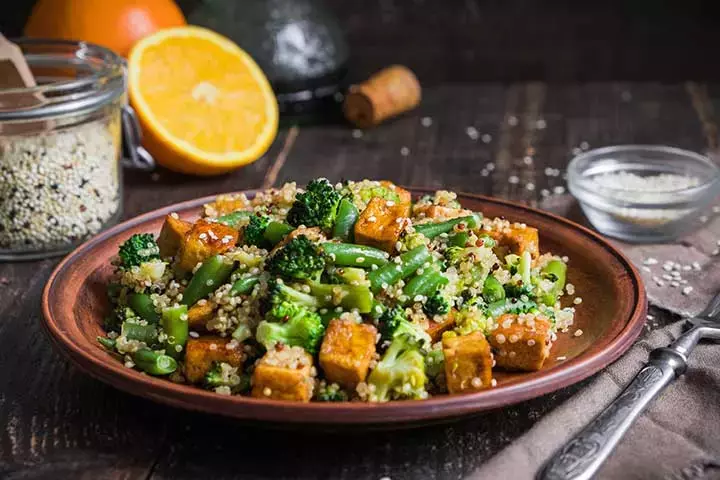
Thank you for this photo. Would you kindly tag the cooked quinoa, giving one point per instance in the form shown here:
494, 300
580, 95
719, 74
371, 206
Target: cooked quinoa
346, 292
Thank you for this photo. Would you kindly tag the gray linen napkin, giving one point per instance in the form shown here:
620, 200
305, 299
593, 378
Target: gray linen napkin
678, 437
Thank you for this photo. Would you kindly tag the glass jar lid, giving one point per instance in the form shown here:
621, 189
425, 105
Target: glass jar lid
72, 78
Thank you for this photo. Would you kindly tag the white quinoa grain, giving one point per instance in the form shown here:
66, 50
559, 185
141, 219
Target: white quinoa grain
426, 121
500, 338
486, 138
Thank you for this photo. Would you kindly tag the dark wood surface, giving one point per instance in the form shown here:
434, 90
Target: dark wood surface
59, 423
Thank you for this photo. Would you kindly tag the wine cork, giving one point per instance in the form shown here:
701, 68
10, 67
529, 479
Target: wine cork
386, 94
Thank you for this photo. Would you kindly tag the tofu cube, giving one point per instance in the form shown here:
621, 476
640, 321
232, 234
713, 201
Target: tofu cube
517, 238
381, 224
436, 329
405, 198
200, 353
468, 363
225, 204
284, 373
200, 314
521, 342
204, 240
346, 352
171, 235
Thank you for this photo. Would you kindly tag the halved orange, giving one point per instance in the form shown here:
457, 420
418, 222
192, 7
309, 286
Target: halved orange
204, 105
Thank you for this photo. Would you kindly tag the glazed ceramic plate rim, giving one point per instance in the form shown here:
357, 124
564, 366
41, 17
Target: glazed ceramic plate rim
116, 374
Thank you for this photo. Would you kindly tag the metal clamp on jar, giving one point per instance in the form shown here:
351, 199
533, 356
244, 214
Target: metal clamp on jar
61, 148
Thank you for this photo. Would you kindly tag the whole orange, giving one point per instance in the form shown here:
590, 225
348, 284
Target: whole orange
115, 24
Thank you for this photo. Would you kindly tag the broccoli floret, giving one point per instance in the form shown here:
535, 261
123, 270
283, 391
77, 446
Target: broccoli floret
400, 374
300, 259
292, 325
316, 207
222, 374
434, 363
331, 393
437, 304
472, 315
139, 248
279, 293
454, 255
393, 323
253, 234
114, 321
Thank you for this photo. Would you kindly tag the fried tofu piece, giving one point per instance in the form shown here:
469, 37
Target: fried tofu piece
200, 314
284, 373
439, 212
172, 234
405, 197
346, 352
381, 224
521, 342
468, 363
204, 240
225, 204
200, 353
517, 238
436, 329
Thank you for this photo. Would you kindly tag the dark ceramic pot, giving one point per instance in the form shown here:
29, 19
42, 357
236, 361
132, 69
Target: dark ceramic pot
298, 44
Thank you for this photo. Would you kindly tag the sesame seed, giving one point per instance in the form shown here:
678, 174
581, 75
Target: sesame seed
513, 338
674, 284
404, 151
490, 166
540, 124
486, 138
472, 133
426, 121
650, 261
512, 120
578, 300
512, 354
559, 190
562, 358
530, 186
476, 382
687, 290
513, 179
578, 332
531, 342
650, 317
500, 338
267, 392
545, 192
360, 260
584, 145
357, 133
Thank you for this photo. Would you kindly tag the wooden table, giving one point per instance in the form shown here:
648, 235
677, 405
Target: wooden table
59, 423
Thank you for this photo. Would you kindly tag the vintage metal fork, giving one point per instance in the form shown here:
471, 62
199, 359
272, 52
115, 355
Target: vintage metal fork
582, 456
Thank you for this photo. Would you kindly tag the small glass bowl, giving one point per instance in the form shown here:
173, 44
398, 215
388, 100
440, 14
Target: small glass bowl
618, 203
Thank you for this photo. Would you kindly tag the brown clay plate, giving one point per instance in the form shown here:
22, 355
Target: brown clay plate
611, 317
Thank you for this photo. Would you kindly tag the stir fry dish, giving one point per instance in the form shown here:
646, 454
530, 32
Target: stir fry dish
346, 292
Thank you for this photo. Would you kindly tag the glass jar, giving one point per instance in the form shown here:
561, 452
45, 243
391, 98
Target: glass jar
60, 149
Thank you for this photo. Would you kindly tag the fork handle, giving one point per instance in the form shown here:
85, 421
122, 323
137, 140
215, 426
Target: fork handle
582, 456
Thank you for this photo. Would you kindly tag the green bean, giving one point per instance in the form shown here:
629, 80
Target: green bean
242, 333
432, 230
493, 290
142, 304
233, 219
391, 273
555, 271
106, 342
351, 255
175, 325
147, 334
212, 273
276, 231
244, 285
425, 283
345, 221
349, 297
458, 239
153, 363
524, 268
